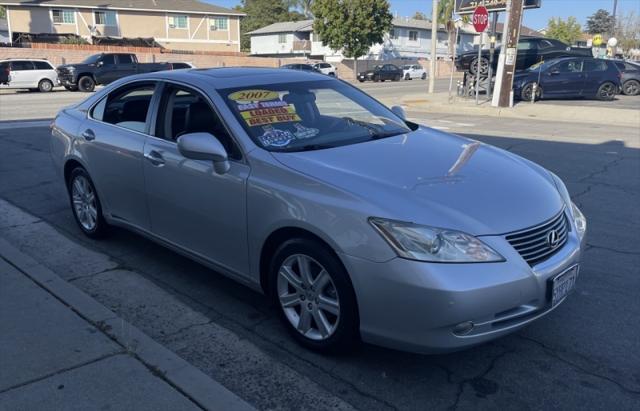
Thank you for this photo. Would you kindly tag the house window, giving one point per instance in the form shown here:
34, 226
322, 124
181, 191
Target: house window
63, 16
178, 22
282, 38
219, 23
393, 34
105, 18
413, 35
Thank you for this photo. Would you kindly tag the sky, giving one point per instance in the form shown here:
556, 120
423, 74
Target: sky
533, 18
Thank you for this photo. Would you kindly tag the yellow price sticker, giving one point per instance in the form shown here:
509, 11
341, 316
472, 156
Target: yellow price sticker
254, 95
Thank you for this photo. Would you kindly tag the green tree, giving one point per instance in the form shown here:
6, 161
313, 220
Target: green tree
568, 31
3, 12
446, 8
261, 13
352, 26
600, 22
304, 6
419, 16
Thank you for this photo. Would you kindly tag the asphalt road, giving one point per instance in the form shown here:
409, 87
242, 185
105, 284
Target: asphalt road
586, 354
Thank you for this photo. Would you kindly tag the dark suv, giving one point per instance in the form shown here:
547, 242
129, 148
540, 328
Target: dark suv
630, 77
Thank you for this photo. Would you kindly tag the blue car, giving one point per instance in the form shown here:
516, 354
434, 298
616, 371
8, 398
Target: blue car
569, 77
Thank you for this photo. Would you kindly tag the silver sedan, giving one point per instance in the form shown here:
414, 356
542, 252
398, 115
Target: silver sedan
359, 224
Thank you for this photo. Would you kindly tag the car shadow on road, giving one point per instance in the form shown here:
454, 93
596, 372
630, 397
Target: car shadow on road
557, 360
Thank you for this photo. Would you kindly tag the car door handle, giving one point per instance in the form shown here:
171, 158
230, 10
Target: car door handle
155, 158
88, 135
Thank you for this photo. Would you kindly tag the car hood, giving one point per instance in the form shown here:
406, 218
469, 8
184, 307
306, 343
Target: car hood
437, 179
75, 66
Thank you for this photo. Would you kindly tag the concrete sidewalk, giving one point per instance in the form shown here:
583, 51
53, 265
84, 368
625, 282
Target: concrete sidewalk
60, 349
440, 103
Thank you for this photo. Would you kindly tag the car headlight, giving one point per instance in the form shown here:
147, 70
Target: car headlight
579, 220
422, 243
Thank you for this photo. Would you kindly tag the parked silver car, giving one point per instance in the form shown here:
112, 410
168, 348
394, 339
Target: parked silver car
358, 223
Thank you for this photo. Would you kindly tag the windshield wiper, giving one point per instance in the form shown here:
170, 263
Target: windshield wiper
307, 147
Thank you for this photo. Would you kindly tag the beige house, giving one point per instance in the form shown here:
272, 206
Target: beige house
176, 24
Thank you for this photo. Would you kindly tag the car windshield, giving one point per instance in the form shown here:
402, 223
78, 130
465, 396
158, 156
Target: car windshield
310, 115
92, 59
406, 67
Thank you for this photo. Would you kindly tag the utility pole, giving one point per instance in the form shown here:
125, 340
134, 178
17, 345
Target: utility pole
434, 45
615, 20
502, 95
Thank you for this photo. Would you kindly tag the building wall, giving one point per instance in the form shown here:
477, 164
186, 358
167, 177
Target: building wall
197, 35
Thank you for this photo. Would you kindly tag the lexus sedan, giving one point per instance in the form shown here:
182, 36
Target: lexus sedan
358, 224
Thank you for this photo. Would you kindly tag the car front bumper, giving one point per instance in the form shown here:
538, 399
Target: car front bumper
416, 306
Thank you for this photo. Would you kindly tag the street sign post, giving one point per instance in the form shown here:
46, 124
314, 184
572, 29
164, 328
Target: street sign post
480, 21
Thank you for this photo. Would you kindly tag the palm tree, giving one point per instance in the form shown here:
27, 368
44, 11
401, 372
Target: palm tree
446, 8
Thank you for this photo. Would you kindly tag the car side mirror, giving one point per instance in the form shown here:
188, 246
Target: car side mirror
399, 111
204, 146
100, 63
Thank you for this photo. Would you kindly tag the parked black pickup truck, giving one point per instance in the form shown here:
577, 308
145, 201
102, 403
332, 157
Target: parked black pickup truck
103, 69
530, 52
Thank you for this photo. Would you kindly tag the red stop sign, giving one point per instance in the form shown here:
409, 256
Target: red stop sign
480, 19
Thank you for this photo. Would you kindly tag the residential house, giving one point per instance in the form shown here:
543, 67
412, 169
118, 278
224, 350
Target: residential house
408, 39
180, 25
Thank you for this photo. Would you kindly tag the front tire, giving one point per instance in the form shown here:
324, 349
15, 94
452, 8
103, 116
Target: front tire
424, 76
407, 76
86, 84
607, 91
314, 296
527, 91
631, 87
45, 86
85, 204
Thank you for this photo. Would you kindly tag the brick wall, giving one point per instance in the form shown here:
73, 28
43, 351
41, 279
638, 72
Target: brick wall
59, 54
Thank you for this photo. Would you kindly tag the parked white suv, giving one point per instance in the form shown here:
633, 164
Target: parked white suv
412, 71
32, 74
326, 68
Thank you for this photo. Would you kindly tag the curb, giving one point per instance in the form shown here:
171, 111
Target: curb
182, 376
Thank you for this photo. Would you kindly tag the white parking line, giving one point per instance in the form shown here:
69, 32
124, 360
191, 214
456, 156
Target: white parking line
8, 125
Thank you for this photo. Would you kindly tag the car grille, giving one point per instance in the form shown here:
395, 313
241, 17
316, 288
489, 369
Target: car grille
534, 243
64, 74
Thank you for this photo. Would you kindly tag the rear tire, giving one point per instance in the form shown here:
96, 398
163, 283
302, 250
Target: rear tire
86, 84
327, 299
631, 87
484, 66
45, 85
424, 76
85, 204
607, 91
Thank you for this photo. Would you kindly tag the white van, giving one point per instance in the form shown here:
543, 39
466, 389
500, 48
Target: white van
32, 74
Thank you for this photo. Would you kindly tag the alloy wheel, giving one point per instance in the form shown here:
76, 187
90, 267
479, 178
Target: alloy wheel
84, 202
607, 91
632, 88
308, 297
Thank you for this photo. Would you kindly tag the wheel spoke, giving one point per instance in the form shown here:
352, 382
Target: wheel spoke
93, 213
305, 270
290, 276
304, 324
321, 280
78, 186
329, 305
321, 322
290, 300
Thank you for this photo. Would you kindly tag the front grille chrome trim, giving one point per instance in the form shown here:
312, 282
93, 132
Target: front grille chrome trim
531, 243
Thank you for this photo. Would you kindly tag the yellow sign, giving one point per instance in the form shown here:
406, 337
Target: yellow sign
597, 40
270, 116
254, 95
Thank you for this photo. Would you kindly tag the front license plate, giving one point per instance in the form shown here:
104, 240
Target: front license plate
563, 284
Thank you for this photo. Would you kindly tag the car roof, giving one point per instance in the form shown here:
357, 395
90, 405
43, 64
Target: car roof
229, 77
24, 59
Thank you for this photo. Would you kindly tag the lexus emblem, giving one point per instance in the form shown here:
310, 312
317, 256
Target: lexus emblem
553, 238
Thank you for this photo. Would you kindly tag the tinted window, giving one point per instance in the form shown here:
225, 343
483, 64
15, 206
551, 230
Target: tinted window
126, 107
526, 45
544, 44
178, 66
185, 111
42, 65
571, 66
594, 65
21, 65
125, 59
108, 59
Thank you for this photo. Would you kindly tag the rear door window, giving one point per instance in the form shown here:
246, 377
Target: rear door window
20, 65
125, 59
126, 107
108, 60
594, 65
